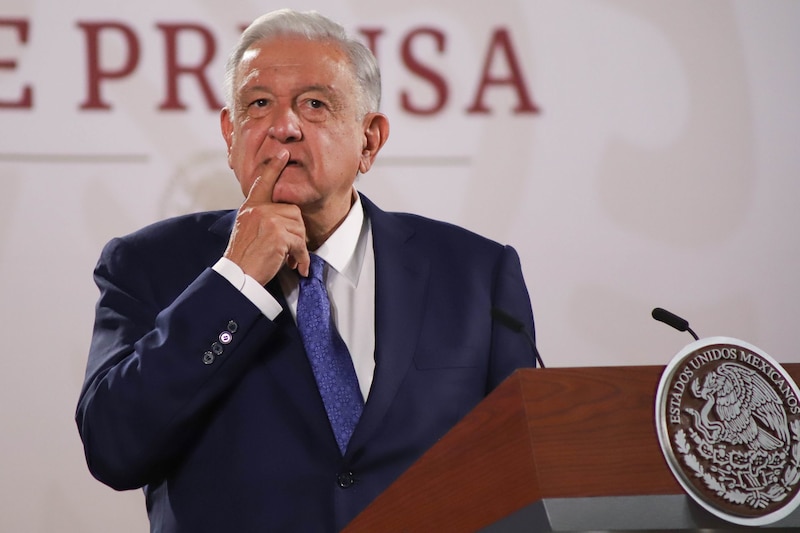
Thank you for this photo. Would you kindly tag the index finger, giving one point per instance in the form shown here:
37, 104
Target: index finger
261, 190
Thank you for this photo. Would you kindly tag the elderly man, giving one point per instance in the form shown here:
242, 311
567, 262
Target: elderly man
276, 367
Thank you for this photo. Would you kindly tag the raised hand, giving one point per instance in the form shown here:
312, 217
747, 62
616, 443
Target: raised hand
267, 235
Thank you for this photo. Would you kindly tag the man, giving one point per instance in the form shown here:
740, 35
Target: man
199, 387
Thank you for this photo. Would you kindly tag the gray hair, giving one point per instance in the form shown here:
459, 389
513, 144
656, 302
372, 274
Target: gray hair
315, 27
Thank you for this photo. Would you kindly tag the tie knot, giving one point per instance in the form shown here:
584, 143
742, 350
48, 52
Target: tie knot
317, 264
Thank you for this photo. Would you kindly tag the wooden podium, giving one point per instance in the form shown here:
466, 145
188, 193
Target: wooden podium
556, 449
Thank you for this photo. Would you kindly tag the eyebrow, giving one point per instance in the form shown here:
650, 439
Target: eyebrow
327, 89
331, 93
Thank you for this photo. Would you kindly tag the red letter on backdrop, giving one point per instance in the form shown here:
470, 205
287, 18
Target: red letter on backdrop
171, 31
26, 100
95, 72
372, 39
422, 71
502, 42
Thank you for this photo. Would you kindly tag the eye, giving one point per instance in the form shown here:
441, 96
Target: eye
258, 107
315, 110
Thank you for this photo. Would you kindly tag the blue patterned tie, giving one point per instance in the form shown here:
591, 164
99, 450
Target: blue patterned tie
330, 360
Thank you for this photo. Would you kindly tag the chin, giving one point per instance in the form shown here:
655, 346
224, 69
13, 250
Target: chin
289, 197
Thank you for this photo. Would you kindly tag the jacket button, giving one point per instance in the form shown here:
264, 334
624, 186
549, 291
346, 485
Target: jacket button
217, 348
208, 358
233, 326
225, 337
346, 479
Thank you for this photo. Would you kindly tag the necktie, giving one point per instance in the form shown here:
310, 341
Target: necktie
330, 360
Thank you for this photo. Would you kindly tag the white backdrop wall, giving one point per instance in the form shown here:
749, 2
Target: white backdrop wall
660, 169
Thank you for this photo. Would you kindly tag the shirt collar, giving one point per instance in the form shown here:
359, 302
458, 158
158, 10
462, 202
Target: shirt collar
344, 249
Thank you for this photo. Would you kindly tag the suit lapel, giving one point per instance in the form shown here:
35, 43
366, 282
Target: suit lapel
401, 279
223, 226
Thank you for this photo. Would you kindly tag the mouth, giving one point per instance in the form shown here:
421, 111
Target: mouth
289, 164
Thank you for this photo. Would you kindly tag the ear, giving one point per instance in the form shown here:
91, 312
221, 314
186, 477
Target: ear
226, 125
376, 133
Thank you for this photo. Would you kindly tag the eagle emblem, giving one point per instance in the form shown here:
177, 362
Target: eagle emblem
748, 411
729, 426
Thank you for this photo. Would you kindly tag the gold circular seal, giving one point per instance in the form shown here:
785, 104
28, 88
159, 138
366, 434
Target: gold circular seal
728, 422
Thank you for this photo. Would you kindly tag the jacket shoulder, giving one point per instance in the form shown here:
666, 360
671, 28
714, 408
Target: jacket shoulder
180, 227
443, 236
184, 242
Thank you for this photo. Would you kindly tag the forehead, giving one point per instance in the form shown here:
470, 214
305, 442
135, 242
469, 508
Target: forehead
278, 61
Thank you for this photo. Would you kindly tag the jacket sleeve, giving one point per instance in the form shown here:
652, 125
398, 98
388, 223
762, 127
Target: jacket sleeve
165, 350
513, 345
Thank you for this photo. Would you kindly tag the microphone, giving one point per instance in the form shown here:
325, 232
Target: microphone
518, 327
670, 319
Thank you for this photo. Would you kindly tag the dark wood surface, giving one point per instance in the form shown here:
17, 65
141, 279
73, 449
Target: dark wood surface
545, 433
593, 432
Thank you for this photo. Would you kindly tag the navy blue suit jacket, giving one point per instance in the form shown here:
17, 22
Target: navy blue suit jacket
243, 444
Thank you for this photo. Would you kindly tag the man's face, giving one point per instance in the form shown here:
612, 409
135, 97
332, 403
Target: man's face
302, 96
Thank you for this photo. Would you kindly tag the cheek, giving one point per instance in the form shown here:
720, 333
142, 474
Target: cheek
241, 159
243, 149
342, 149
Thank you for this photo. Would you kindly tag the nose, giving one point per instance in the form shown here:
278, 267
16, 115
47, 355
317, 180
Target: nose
285, 127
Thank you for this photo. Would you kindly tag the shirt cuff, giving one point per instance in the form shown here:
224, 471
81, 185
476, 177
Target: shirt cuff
249, 287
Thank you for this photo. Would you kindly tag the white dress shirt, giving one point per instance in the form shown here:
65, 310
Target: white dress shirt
349, 279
